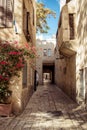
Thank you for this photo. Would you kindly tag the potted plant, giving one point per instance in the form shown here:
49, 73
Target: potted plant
12, 60
5, 102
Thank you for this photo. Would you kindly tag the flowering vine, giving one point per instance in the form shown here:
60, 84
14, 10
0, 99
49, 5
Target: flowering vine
12, 60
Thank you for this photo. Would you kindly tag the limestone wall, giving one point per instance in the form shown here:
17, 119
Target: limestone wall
81, 61
21, 94
41, 45
71, 74
65, 67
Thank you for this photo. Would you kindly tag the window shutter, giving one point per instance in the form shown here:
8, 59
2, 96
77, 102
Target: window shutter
6, 13
2, 13
24, 80
27, 22
9, 13
24, 21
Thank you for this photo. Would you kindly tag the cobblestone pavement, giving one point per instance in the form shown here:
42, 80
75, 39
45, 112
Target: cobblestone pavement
48, 109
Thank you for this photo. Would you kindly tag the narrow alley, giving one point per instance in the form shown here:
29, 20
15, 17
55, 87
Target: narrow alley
43, 65
48, 109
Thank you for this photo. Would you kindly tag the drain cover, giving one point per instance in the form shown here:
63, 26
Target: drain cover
55, 113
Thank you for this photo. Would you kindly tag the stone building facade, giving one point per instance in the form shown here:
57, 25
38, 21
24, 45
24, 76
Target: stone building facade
18, 23
45, 60
70, 52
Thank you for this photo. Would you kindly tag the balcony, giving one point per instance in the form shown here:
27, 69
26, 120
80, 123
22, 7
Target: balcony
66, 37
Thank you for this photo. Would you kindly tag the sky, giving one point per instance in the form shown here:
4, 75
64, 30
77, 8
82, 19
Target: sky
54, 5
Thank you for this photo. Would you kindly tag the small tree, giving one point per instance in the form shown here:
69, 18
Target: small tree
41, 15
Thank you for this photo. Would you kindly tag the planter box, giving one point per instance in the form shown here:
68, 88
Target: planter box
5, 109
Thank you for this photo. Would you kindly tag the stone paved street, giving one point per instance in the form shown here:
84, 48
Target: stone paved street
48, 109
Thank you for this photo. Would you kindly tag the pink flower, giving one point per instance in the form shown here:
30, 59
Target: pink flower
6, 78
3, 62
27, 45
19, 65
14, 53
15, 42
1, 77
34, 49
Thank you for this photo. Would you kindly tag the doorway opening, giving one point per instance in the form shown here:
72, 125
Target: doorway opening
48, 73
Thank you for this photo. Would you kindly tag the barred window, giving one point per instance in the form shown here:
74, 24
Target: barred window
6, 13
71, 25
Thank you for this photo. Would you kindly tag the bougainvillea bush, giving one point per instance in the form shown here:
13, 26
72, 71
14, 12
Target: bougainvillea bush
12, 60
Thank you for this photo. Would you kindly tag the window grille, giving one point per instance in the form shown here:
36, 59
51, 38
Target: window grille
6, 13
71, 25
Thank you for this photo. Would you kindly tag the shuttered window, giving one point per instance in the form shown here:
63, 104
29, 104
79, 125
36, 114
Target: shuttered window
71, 25
6, 13
24, 80
26, 22
33, 17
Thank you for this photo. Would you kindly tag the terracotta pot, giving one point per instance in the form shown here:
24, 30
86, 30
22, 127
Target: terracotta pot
5, 109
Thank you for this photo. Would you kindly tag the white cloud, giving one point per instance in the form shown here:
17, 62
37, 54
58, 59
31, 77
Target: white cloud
61, 2
39, 36
52, 39
48, 38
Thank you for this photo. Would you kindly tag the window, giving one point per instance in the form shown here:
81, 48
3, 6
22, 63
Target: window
6, 13
24, 81
26, 17
31, 77
49, 52
71, 25
45, 52
33, 17
82, 84
27, 20
60, 21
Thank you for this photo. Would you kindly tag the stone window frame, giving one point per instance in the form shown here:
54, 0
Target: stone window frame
26, 20
71, 26
6, 13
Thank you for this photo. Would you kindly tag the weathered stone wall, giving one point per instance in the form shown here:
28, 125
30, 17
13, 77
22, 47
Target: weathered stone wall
81, 62
21, 94
41, 45
74, 81
65, 63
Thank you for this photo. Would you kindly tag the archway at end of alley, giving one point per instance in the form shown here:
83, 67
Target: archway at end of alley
48, 72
